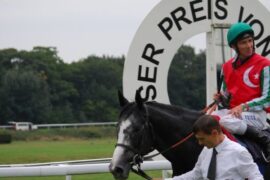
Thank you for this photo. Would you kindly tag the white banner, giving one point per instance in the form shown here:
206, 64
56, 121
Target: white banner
169, 25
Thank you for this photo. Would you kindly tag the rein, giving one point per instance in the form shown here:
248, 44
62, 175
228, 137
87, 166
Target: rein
171, 147
210, 108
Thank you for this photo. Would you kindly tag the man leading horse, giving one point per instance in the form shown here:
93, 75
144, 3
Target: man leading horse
244, 96
221, 158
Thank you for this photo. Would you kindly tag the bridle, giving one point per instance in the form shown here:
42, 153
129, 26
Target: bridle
138, 158
146, 126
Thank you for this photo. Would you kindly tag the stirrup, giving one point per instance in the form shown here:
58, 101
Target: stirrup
264, 157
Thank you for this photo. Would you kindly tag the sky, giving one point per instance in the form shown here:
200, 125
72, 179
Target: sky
77, 28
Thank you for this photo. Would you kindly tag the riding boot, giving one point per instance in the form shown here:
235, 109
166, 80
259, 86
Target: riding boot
258, 136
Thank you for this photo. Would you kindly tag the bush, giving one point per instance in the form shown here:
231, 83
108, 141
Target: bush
64, 133
5, 138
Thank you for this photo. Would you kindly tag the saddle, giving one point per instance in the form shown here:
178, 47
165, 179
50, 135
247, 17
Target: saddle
255, 149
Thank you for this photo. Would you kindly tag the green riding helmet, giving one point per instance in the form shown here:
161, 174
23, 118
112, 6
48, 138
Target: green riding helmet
236, 30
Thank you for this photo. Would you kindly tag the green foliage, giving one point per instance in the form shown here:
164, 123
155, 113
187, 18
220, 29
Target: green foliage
97, 81
55, 134
37, 86
187, 79
5, 137
24, 95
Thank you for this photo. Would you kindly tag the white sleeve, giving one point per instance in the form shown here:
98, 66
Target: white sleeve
247, 167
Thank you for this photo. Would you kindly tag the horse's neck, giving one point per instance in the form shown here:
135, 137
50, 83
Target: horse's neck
171, 123
170, 127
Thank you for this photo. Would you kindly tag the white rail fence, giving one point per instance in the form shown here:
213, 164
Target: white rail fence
66, 125
69, 168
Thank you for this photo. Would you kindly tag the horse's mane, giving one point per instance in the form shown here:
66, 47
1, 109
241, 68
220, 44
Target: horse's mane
172, 113
173, 110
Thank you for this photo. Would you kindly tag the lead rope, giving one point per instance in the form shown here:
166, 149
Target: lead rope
171, 147
213, 108
140, 172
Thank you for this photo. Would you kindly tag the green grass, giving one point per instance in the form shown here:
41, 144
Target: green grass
103, 176
46, 151
20, 152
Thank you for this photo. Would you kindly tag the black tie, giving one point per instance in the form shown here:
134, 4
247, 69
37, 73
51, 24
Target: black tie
212, 166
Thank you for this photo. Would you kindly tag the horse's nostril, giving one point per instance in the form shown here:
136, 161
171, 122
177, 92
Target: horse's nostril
118, 170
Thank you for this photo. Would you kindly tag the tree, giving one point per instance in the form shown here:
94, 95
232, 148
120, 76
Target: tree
24, 97
38, 86
97, 81
187, 78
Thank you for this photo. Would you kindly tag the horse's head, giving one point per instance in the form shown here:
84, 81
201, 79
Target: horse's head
134, 136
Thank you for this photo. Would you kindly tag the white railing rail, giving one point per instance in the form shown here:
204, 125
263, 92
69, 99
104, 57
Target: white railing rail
66, 125
73, 162
6, 127
71, 169
76, 124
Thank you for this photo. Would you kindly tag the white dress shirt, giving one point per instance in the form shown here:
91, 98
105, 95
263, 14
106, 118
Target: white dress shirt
234, 162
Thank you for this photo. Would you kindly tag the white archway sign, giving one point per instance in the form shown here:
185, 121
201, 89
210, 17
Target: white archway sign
169, 25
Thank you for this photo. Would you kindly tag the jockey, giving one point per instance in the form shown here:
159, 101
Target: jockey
245, 91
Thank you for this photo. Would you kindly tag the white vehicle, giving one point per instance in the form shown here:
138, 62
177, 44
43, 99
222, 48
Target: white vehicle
23, 126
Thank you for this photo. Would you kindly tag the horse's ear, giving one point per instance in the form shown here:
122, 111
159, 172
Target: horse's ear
122, 100
139, 99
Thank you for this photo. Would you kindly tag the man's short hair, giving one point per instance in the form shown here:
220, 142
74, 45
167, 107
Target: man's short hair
206, 123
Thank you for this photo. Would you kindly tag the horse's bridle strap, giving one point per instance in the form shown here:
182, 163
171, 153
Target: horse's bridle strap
127, 147
141, 173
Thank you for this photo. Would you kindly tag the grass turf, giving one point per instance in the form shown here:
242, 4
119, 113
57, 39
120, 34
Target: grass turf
61, 150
